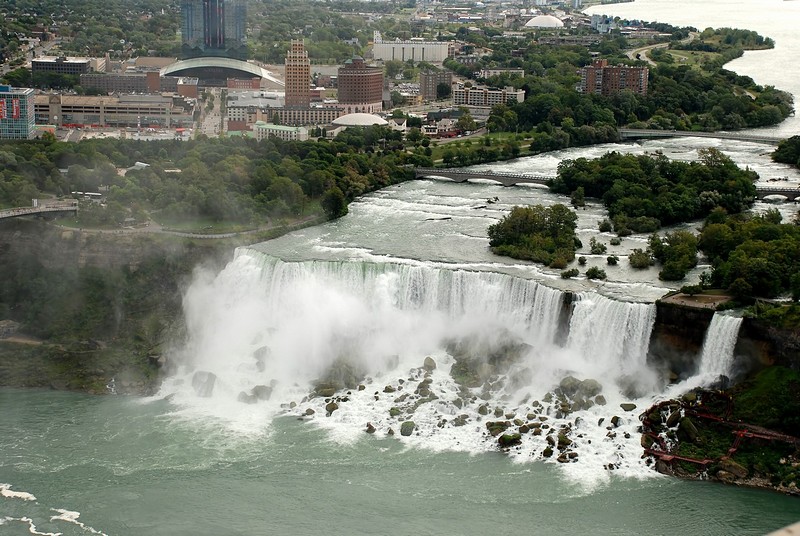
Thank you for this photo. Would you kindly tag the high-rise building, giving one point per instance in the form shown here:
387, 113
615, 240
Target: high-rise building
16, 113
213, 27
298, 76
430, 80
605, 79
360, 87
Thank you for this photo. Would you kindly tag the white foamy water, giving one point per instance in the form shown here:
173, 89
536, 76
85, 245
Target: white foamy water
718, 346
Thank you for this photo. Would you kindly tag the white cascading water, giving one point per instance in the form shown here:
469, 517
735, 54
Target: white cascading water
716, 357
269, 325
720, 341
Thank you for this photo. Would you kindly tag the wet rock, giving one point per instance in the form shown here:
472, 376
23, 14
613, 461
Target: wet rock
563, 441
518, 422
730, 466
429, 364
310, 412
524, 429
647, 441
497, 427
590, 388
687, 430
509, 440
458, 403
203, 383
570, 385
389, 389
674, 418
615, 421
725, 476
361, 387
246, 398
370, 428
498, 412
547, 452
627, 406
394, 412
402, 398
548, 398
483, 409
461, 420
407, 428
390, 432
330, 407
551, 441
537, 431
600, 400
562, 458
292, 405
262, 392
324, 390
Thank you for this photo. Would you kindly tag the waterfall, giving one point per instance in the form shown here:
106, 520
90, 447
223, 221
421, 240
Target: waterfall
614, 336
720, 340
264, 330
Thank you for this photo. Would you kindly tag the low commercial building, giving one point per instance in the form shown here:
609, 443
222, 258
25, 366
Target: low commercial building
123, 110
143, 82
66, 65
413, 49
263, 130
16, 113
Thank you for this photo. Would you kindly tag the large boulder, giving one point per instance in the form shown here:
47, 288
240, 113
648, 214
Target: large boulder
590, 388
429, 364
330, 407
627, 406
203, 383
570, 385
728, 465
509, 440
688, 431
407, 428
262, 392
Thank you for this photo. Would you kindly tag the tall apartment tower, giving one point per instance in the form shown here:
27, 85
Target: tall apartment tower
605, 79
213, 25
298, 76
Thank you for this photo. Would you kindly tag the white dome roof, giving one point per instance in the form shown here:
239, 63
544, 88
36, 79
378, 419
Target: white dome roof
544, 21
359, 120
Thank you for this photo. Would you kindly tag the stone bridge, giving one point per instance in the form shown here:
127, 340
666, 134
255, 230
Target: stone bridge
460, 175
40, 206
511, 179
636, 133
791, 194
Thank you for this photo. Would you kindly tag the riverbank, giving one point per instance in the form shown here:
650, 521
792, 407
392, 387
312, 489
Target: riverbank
746, 435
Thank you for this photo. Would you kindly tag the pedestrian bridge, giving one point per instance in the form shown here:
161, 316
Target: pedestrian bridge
460, 175
40, 206
511, 179
637, 133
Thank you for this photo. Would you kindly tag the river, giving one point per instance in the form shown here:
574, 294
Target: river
233, 444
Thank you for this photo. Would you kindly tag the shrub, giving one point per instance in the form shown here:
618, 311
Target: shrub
567, 274
615, 241
605, 226
612, 260
640, 259
691, 290
595, 273
596, 248
582, 260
